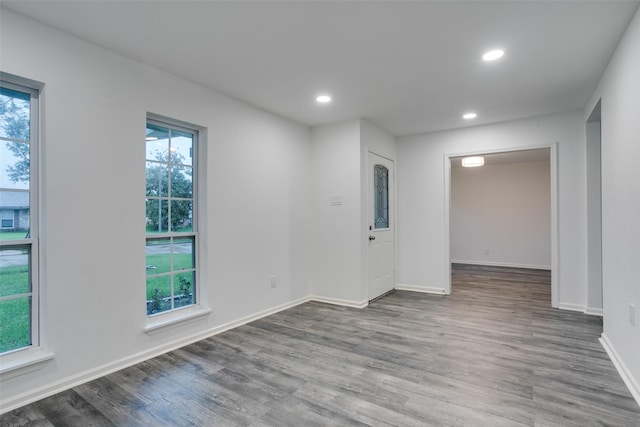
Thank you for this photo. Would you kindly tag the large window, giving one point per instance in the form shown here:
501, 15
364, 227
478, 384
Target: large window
18, 217
171, 220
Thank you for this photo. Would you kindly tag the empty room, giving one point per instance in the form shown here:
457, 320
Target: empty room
319, 213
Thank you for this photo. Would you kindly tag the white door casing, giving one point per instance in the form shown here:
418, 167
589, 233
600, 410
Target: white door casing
381, 225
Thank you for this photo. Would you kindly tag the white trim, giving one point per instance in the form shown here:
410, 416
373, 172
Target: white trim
447, 225
108, 368
502, 264
572, 307
553, 163
555, 230
632, 384
23, 362
336, 301
594, 311
581, 309
161, 324
423, 289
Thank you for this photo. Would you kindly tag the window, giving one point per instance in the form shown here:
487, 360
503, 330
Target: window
171, 220
381, 196
6, 219
18, 218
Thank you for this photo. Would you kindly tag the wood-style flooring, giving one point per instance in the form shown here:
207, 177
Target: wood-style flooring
493, 353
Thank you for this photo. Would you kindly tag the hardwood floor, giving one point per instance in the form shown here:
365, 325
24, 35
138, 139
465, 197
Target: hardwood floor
492, 354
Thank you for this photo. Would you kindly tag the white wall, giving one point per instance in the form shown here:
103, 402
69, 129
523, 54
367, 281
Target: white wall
421, 198
377, 141
337, 273
257, 204
340, 228
619, 90
503, 209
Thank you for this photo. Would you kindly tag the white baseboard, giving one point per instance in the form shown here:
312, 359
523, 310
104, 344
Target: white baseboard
594, 311
30, 396
336, 301
572, 307
502, 264
581, 308
423, 289
631, 383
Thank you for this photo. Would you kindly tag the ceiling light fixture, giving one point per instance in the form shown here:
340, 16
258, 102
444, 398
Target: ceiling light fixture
469, 116
472, 162
151, 138
323, 99
492, 55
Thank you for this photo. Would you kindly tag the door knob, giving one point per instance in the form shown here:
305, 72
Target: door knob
372, 237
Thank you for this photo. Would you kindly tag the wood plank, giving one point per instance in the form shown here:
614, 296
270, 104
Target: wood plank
492, 353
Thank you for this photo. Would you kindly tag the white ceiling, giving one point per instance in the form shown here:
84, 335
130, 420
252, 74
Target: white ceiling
407, 67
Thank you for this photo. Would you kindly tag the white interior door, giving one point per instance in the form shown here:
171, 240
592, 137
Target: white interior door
381, 253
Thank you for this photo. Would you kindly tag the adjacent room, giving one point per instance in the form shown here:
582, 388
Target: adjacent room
500, 225
256, 213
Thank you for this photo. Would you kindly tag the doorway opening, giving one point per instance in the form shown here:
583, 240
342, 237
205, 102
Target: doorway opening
504, 214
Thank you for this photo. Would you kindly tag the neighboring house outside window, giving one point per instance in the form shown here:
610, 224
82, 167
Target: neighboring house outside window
14, 214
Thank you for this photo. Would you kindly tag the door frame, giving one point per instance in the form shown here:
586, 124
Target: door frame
553, 163
594, 211
392, 221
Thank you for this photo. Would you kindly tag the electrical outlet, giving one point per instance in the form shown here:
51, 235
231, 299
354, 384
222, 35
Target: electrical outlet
274, 281
632, 314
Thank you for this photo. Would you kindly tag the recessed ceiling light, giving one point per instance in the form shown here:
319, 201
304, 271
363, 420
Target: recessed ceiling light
472, 162
469, 116
152, 138
323, 99
492, 55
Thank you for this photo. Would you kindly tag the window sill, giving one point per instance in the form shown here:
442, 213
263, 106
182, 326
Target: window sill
23, 362
168, 321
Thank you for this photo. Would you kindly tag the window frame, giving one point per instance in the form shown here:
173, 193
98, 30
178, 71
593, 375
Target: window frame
177, 314
32, 239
